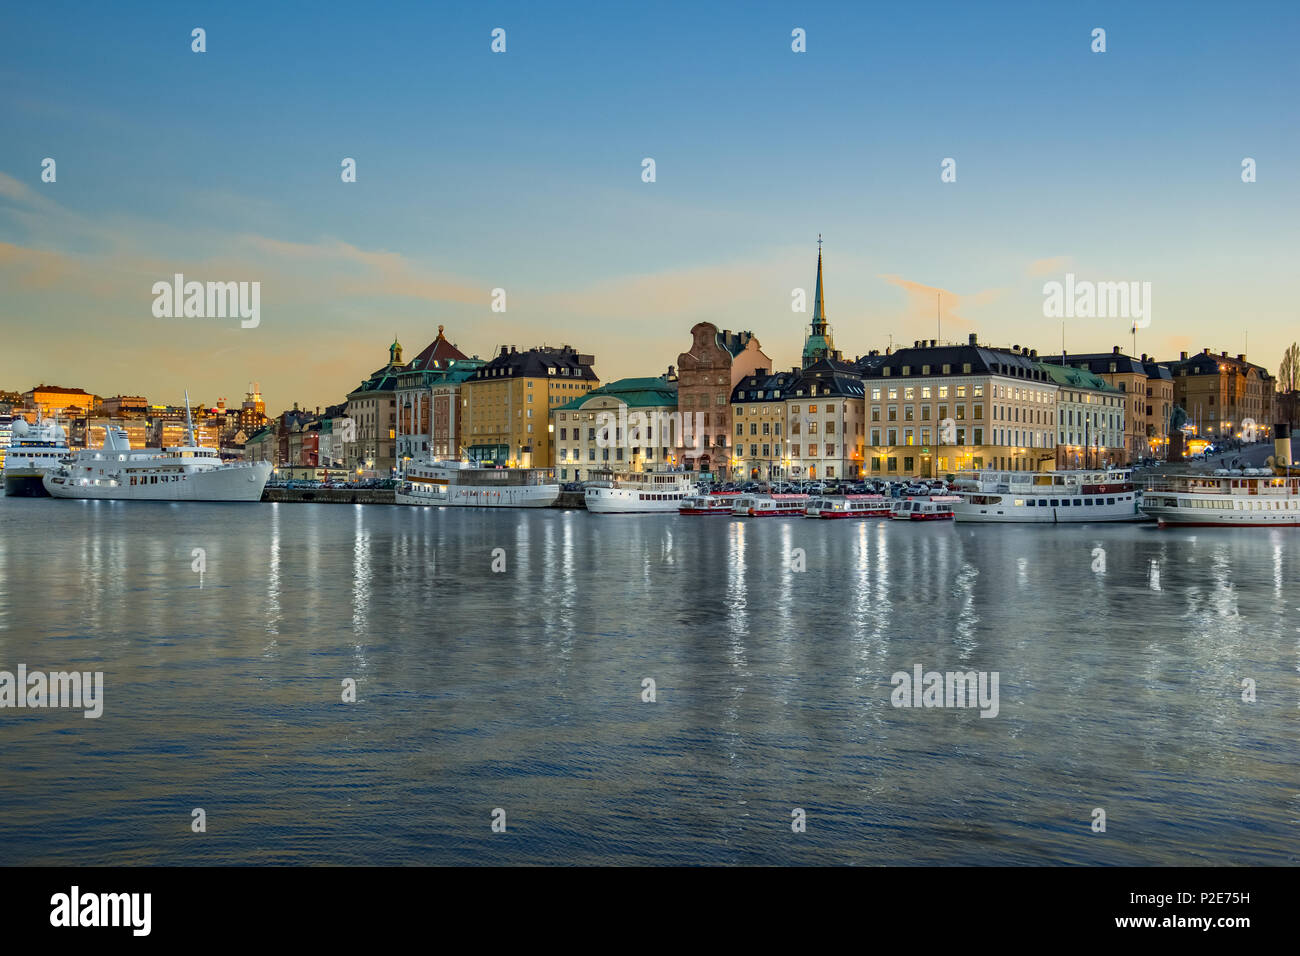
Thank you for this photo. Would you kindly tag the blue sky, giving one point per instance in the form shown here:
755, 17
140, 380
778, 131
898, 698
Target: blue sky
522, 171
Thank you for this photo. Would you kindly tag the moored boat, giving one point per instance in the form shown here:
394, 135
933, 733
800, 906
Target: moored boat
1048, 497
717, 503
849, 506
924, 508
769, 505
460, 484
637, 492
32, 451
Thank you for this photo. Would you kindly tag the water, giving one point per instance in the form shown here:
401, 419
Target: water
522, 690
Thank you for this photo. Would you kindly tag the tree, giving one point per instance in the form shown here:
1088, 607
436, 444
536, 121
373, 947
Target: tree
1288, 381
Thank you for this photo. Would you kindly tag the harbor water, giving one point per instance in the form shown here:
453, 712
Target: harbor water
642, 689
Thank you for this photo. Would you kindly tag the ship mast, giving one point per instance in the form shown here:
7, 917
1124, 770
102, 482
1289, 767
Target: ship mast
189, 422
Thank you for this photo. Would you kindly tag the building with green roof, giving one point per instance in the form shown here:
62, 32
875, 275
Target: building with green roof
1089, 418
627, 425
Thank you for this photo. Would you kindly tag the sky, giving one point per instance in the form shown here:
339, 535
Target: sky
523, 171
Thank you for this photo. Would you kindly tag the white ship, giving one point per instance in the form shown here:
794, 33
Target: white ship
1250, 497
33, 450
183, 473
461, 484
1048, 497
638, 492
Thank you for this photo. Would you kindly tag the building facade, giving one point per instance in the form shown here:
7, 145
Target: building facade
372, 407
626, 425
933, 410
1090, 430
429, 402
1220, 392
706, 376
826, 435
507, 403
760, 419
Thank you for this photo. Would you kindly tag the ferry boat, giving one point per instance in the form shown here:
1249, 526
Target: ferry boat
1048, 497
638, 492
925, 508
769, 506
464, 485
181, 473
32, 451
849, 506
718, 503
1250, 497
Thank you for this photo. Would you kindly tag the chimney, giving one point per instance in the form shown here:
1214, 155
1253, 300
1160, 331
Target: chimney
972, 338
1115, 350
1182, 356
760, 373
1223, 355
1241, 357
505, 350
1033, 353
933, 343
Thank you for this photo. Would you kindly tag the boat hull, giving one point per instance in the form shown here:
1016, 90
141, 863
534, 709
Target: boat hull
25, 483
614, 501
241, 483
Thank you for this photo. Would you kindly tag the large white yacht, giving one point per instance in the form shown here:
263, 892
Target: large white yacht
1048, 497
638, 492
461, 484
33, 450
184, 473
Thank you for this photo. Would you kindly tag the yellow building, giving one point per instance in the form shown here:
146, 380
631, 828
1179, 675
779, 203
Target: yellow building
507, 404
54, 400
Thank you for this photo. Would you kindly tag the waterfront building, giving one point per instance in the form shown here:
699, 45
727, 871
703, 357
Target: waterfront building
628, 425
125, 406
760, 421
935, 409
372, 406
91, 432
706, 376
55, 401
507, 403
825, 419
1149, 396
262, 446
1219, 392
429, 402
1090, 429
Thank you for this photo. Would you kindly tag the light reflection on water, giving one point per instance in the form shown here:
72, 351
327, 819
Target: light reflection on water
1120, 688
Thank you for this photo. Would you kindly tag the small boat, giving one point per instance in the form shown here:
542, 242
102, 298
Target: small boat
719, 503
925, 508
849, 506
769, 506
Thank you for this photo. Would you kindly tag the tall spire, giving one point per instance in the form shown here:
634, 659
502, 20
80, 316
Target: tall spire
819, 344
819, 305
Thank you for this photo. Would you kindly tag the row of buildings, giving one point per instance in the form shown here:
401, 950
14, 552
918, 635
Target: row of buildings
86, 417
724, 408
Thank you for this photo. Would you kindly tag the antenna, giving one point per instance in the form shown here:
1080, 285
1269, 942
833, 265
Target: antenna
938, 318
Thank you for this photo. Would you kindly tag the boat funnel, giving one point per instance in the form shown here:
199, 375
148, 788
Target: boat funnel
1282, 448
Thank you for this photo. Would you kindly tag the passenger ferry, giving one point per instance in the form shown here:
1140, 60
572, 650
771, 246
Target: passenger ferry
925, 508
849, 506
32, 451
182, 473
768, 506
460, 484
1048, 497
718, 503
638, 492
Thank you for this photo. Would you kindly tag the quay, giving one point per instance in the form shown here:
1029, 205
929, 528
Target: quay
569, 500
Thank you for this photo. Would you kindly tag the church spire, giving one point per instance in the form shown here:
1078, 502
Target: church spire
819, 305
818, 344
